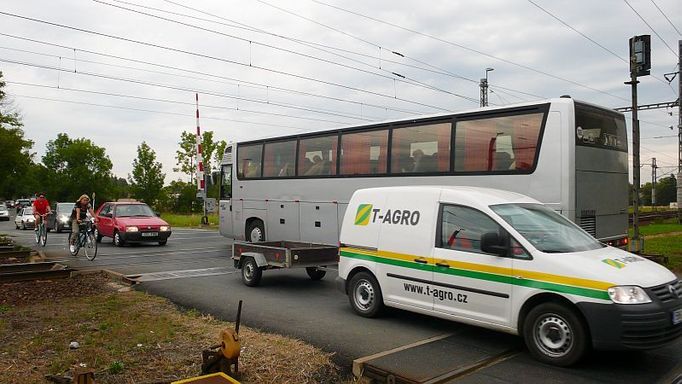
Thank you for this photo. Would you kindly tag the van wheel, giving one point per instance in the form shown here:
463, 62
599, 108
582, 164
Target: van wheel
315, 273
365, 295
555, 334
255, 231
251, 272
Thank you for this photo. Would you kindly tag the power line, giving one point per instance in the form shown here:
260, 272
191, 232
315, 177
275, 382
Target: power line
153, 111
468, 49
621, 58
650, 27
236, 109
666, 17
239, 81
228, 61
395, 77
192, 90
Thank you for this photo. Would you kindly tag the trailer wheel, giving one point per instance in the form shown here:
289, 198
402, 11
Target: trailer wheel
315, 273
555, 334
365, 296
251, 272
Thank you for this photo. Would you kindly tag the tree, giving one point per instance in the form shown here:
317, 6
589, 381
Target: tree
78, 166
187, 153
147, 179
15, 156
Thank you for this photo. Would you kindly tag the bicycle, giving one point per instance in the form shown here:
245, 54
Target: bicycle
86, 240
41, 231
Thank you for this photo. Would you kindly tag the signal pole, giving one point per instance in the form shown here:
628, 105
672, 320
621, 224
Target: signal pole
679, 134
653, 182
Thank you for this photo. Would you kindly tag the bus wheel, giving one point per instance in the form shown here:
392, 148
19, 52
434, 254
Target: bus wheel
315, 274
365, 296
555, 334
251, 272
255, 232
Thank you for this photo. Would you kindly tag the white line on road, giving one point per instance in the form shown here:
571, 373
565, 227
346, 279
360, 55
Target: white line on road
181, 274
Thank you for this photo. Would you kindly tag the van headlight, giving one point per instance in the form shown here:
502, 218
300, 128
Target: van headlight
628, 294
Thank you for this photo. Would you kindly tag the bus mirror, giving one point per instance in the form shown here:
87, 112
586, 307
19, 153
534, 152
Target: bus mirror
492, 242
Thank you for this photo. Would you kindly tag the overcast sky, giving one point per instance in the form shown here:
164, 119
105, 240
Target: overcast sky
116, 74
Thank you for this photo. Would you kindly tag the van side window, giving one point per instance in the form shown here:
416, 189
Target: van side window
462, 228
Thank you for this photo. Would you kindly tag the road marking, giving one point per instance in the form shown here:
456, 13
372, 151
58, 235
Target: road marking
181, 274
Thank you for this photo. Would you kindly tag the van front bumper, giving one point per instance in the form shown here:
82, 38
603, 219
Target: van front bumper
632, 326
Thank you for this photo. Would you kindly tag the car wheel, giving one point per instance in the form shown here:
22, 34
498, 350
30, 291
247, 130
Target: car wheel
23, 226
555, 334
255, 232
365, 296
251, 272
58, 229
315, 273
16, 225
163, 242
118, 240
98, 236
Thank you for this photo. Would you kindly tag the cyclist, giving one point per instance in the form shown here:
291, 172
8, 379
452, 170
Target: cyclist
78, 214
41, 207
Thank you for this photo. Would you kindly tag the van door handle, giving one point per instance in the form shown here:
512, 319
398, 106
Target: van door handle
444, 265
421, 261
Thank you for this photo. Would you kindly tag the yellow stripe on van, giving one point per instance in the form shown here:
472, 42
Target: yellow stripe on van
540, 277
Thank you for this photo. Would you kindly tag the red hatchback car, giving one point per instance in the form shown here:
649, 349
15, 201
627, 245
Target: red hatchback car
130, 222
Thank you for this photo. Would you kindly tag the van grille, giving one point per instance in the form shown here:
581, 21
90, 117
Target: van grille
589, 224
663, 293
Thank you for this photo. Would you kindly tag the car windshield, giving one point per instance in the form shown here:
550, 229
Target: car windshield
134, 210
28, 211
64, 207
547, 230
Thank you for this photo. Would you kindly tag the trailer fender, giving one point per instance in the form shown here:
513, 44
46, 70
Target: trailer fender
260, 259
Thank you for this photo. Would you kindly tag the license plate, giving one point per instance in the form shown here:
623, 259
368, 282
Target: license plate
149, 234
677, 316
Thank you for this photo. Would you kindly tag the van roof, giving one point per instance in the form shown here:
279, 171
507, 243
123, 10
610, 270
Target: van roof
462, 194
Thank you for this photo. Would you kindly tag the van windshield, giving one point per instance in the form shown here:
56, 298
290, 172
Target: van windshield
547, 230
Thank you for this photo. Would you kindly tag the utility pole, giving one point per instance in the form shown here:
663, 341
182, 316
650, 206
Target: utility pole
640, 63
484, 88
679, 134
653, 182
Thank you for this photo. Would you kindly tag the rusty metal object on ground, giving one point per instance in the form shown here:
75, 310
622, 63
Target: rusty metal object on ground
227, 354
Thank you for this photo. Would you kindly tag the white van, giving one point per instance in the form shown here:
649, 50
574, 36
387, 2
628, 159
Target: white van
503, 261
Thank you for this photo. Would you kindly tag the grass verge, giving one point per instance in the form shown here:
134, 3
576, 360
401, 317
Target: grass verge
189, 220
670, 246
132, 337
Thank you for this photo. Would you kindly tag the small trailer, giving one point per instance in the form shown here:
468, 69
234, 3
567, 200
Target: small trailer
253, 258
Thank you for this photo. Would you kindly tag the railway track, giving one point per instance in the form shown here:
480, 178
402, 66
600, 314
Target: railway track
33, 271
649, 217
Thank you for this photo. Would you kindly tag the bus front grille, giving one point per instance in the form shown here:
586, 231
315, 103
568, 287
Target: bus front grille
589, 224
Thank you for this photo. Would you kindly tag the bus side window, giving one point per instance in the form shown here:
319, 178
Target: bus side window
317, 156
421, 149
249, 161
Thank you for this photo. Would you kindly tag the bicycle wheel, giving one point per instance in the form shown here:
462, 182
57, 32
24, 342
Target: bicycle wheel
43, 235
76, 245
90, 246
37, 233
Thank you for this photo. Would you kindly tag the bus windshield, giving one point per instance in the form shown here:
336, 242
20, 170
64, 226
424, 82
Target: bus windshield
547, 230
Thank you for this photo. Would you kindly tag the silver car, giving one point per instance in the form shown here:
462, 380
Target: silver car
25, 219
4, 213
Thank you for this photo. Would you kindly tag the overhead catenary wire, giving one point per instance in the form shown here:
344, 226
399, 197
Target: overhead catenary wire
619, 57
651, 28
236, 109
666, 17
185, 89
224, 60
544, 73
401, 78
326, 47
211, 75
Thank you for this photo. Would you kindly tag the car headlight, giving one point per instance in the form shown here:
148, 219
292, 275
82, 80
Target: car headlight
31, 219
164, 228
131, 229
64, 219
628, 294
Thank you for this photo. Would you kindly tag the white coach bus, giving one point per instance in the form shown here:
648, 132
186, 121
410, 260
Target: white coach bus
567, 154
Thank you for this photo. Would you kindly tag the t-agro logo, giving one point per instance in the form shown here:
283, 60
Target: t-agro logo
395, 216
363, 213
622, 262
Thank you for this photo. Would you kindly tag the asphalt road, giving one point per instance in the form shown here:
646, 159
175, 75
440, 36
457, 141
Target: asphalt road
194, 270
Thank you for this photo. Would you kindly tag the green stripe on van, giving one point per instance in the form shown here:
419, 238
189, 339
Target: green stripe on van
586, 292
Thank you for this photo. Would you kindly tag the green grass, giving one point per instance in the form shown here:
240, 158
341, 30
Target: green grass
189, 220
666, 226
670, 246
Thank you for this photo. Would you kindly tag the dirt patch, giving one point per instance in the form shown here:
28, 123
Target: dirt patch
132, 337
